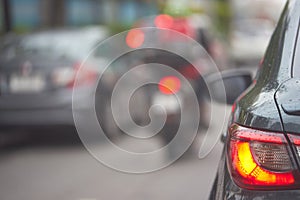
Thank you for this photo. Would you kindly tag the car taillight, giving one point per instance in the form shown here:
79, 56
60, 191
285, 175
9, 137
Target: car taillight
169, 85
190, 72
261, 160
65, 76
295, 140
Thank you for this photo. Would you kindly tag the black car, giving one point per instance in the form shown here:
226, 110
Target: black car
261, 157
170, 101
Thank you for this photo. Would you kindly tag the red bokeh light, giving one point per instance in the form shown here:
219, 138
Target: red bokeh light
164, 21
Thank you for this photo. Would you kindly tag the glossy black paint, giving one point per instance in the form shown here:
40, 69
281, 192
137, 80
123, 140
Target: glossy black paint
288, 97
270, 103
257, 108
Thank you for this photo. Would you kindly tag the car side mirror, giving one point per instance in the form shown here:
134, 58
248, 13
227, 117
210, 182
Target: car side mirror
235, 83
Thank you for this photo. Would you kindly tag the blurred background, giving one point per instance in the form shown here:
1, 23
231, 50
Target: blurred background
43, 44
234, 21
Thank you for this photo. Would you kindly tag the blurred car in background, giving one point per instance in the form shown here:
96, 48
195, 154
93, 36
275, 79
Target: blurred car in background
176, 92
37, 73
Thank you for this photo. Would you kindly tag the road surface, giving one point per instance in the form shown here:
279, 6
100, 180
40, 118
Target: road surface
56, 166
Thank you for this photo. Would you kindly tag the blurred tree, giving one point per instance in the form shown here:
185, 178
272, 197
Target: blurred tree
53, 13
58, 9
223, 15
178, 8
7, 15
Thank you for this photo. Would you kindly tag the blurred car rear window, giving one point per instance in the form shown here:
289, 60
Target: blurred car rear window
69, 44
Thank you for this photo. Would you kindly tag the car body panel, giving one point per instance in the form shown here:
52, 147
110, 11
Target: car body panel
287, 98
257, 107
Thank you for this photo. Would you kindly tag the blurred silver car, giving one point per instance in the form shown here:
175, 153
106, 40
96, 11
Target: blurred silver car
37, 74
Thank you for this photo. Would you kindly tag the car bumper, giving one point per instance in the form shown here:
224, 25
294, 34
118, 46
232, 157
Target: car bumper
233, 192
52, 108
36, 117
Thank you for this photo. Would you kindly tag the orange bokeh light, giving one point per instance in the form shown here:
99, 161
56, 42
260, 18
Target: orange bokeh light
135, 38
164, 21
169, 85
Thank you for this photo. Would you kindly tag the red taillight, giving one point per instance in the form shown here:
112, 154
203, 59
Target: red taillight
190, 72
65, 76
260, 160
295, 140
169, 85
180, 25
85, 75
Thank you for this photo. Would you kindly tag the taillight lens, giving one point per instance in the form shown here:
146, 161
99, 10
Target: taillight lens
65, 76
169, 85
295, 140
260, 160
164, 21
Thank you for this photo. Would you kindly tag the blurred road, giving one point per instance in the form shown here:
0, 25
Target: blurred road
57, 166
